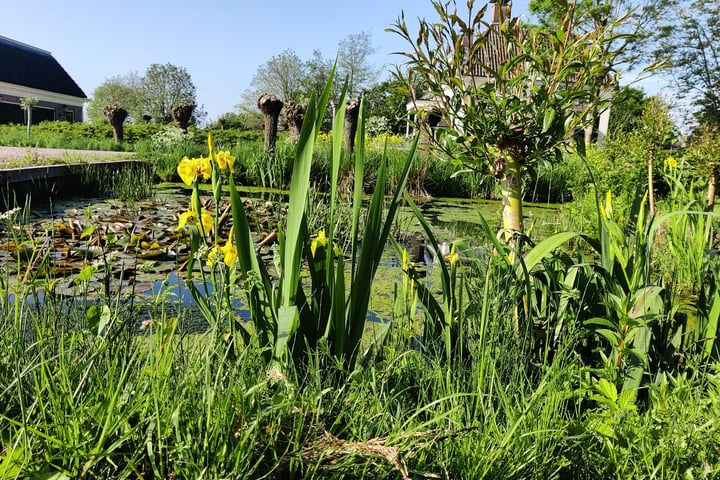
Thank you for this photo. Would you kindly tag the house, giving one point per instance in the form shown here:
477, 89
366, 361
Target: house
27, 71
492, 55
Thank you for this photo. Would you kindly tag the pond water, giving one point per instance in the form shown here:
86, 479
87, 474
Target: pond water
91, 247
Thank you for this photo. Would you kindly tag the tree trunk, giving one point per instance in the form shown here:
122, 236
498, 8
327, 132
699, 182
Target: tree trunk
270, 107
352, 111
294, 115
182, 114
116, 115
712, 188
511, 188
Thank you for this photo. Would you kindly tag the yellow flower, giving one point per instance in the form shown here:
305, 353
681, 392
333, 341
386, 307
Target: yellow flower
207, 220
320, 241
191, 217
453, 256
205, 168
671, 163
191, 168
225, 160
228, 253
185, 218
214, 255
186, 170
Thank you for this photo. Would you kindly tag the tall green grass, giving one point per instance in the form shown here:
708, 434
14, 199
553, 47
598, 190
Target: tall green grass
551, 360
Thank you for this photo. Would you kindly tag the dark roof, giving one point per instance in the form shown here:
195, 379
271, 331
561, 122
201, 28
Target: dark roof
32, 67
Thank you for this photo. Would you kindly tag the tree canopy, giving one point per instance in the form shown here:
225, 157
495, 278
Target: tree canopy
685, 37
123, 90
164, 87
354, 64
155, 94
293, 79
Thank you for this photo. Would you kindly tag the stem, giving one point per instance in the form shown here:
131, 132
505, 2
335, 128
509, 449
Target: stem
651, 189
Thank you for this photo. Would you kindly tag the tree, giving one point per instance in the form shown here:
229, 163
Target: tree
283, 75
656, 130
182, 114
624, 46
704, 150
121, 90
27, 104
686, 34
511, 97
294, 117
317, 73
628, 104
165, 87
116, 115
271, 107
388, 100
353, 62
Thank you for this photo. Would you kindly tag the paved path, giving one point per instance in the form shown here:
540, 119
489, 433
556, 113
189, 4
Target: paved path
35, 156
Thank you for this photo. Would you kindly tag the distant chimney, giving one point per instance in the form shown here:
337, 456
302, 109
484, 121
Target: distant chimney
501, 13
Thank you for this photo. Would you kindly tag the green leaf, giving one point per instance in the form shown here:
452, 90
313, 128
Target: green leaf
88, 231
85, 274
545, 248
98, 318
548, 120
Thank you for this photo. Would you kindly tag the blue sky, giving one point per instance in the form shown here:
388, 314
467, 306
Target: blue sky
220, 42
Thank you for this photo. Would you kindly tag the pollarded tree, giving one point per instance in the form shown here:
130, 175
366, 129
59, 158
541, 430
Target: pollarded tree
182, 114
511, 95
270, 106
116, 115
294, 117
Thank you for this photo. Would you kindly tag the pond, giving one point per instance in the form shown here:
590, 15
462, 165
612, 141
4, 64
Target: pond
93, 247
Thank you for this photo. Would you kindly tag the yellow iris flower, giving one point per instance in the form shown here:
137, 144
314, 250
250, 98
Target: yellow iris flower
225, 160
191, 168
228, 253
319, 241
453, 256
191, 217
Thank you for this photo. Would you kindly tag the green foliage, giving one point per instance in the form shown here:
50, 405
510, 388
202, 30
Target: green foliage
161, 88
288, 321
684, 34
504, 119
125, 91
626, 111
387, 100
164, 87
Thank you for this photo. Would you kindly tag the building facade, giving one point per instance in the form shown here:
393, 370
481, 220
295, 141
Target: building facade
27, 71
